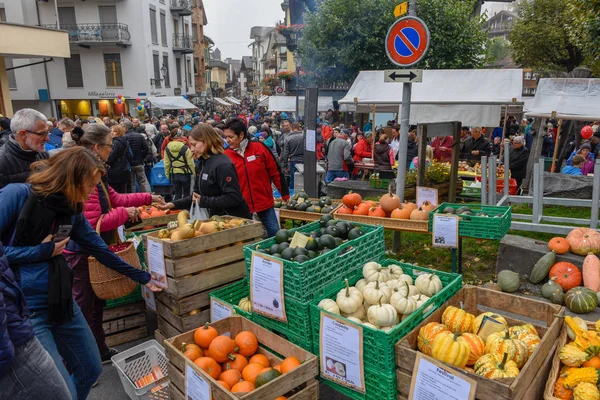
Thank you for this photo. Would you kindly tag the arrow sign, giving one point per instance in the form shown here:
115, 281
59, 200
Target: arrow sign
403, 75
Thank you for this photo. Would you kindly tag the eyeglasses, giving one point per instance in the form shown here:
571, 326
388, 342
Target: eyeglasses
45, 133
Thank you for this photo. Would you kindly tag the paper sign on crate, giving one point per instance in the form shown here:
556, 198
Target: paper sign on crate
196, 387
156, 263
266, 286
426, 194
445, 231
341, 352
219, 310
433, 380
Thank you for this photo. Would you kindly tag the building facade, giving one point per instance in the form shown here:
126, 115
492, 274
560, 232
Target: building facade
133, 49
246, 76
260, 37
199, 21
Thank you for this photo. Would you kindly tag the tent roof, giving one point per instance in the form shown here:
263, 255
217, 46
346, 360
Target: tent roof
170, 102
221, 101
233, 100
570, 98
288, 103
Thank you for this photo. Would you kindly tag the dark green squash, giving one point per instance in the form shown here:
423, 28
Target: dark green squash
266, 377
509, 281
550, 287
581, 300
542, 267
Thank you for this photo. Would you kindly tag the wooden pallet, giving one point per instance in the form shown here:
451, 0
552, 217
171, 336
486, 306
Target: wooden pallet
125, 323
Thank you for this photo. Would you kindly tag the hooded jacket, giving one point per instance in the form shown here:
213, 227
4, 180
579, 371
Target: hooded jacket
119, 160
184, 165
382, 159
139, 147
15, 162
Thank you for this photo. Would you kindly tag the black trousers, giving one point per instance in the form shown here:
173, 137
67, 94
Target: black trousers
181, 185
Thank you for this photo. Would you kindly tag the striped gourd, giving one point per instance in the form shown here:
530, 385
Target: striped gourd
529, 339
427, 335
457, 320
496, 366
581, 300
476, 345
501, 342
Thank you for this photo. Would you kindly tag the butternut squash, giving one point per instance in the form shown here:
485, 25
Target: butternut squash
591, 272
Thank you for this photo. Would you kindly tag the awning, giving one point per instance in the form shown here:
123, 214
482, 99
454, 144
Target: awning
222, 102
288, 103
233, 100
171, 103
571, 99
473, 97
263, 101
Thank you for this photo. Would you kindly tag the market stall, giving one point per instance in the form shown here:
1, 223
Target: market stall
171, 103
288, 103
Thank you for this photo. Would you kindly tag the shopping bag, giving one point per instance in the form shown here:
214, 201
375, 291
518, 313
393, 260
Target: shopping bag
198, 213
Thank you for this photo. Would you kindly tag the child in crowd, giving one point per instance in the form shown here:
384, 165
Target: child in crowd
577, 164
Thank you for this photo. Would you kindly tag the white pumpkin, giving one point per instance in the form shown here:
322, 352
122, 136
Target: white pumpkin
374, 291
361, 313
349, 299
370, 325
404, 288
403, 303
396, 272
373, 271
353, 319
382, 315
329, 305
428, 284
386, 329
421, 299
360, 285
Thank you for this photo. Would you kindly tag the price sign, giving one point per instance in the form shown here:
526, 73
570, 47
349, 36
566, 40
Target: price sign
136, 241
196, 386
445, 231
219, 310
341, 352
433, 380
149, 298
156, 263
278, 218
266, 286
298, 240
426, 194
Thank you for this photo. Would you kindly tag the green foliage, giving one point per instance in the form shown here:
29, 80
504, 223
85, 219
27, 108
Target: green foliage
589, 10
498, 50
343, 37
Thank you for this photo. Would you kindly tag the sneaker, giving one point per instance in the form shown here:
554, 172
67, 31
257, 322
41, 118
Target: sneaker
108, 355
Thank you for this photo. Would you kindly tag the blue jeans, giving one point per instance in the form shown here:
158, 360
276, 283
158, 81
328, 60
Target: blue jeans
74, 343
331, 175
292, 172
269, 221
33, 375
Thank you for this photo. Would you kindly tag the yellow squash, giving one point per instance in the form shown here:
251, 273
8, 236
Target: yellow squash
572, 355
586, 391
577, 376
586, 340
496, 366
447, 349
501, 342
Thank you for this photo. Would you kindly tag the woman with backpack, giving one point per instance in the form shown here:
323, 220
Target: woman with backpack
119, 173
179, 164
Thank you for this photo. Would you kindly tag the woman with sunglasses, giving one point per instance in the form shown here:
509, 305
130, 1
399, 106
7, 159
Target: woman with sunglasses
115, 209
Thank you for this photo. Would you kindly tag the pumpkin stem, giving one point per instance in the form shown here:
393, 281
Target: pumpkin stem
456, 334
377, 285
504, 359
380, 297
347, 287
507, 335
231, 357
183, 346
206, 326
407, 289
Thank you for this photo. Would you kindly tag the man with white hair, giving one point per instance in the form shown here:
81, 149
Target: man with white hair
519, 155
65, 125
24, 146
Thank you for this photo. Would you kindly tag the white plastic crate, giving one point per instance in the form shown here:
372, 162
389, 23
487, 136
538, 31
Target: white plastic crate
137, 362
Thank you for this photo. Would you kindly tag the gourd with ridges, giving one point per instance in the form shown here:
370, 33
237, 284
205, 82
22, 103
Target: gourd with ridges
476, 346
584, 240
542, 267
586, 391
496, 366
586, 340
457, 319
501, 342
509, 281
525, 327
427, 334
581, 300
580, 323
572, 356
447, 349
591, 272
532, 341
561, 391
577, 376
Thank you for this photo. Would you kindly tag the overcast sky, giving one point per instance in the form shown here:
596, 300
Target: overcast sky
229, 23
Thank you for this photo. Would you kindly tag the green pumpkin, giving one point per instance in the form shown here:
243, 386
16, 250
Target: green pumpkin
282, 235
509, 281
355, 233
266, 377
324, 219
558, 297
581, 300
550, 287
542, 267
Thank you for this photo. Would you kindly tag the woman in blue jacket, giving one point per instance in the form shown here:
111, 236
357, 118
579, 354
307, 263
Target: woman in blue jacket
29, 217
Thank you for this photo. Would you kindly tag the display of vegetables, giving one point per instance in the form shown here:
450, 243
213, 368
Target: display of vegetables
186, 230
301, 202
389, 206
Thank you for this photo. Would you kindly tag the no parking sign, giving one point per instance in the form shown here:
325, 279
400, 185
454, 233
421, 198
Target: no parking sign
407, 41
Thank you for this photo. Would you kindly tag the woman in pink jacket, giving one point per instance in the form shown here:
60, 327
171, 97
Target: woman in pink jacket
115, 209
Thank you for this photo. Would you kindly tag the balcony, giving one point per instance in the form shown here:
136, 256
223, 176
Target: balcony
87, 35
183, 43
181, 7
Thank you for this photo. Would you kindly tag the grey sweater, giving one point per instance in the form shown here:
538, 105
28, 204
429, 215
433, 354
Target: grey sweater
339, 150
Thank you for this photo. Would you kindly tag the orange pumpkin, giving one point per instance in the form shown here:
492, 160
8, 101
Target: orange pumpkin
476, 346
277, 367
345, 210
260, 359
559, 245
144, 215
409, 206
231, 376
243, 387
352, 199
235, 361
204, 335
377, 212
247, 343
289, 364
567, 275
224, 384
592, 362
389, 202
281, 398
157, 213
251, 371
584, 240
419, 215
191, 351
427, 335
370, 203
220, 348
400, 213
362, 209
209, 366
427, 206
561, 391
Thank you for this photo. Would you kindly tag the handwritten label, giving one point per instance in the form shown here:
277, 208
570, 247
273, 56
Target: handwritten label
219, 310
266, 286
196, 386
298, 240
156, 263
427, 194
149, 298
488, 326
136, 241
445, 231
341, 352
434, 380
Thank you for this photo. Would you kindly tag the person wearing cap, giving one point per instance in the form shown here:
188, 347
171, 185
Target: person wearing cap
588, 156
518, 157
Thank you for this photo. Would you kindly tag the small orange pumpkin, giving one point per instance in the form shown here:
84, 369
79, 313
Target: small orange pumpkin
377, 212
592, 362
427, 206
157, 213
370, 203
209, 366
220, 348
362, 209
567, 275
409, 206
559, 245
277, 367
191, 351
289, 364
231, 376
224, 384
235, 361
343, 210
260, 359
144, 215
243, 387
204, 335
247, 343
561, 391
400, 213
352, 199
251, 372
419, 215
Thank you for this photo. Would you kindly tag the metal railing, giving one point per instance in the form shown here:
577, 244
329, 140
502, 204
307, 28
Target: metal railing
181, 5
86, 33
181, 41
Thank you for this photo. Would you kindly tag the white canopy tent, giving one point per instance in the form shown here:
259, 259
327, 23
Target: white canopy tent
473, 97
263, 101
233, 100
288, 103
571, 99
222, 102
171, 103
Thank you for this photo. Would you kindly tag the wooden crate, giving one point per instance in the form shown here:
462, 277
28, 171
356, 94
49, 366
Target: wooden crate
307, 216
303, 374
159, 336
517, 310
406, 225
306, 391
148, 222
556, 365
125, 323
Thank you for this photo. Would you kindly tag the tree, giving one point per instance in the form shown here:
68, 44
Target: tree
548, 35
498, 50
343, 37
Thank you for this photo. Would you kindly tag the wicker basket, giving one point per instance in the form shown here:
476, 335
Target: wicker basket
107, 283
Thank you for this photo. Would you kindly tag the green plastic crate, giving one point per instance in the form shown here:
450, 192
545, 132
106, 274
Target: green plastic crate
379, 386
470, 191
298, 316
479, 227
141, 249
378, 183
232, 294
133, 297
302, 281
304, 342
378, 346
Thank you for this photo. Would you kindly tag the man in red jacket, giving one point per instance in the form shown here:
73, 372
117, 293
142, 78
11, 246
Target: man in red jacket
364, 147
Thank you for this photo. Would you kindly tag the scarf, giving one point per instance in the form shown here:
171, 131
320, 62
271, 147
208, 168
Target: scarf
39, 217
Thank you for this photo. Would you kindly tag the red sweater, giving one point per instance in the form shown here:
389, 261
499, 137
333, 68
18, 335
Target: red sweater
362, 150
118, 215
442, 141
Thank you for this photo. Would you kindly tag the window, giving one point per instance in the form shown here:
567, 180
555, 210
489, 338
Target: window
157, 77
195, 32
196, 66
73, 71
178, 70
2, 14
112, 69
166, 65
163, 27
189, 71
12, 79
153, 31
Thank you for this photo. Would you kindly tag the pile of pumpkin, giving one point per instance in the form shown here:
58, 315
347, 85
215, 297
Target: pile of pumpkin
389, 207
384, 297
580, 358
186, 230
459, 340
234, 363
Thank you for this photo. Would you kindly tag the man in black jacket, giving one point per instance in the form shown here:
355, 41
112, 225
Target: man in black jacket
139, 149
24, 146
293, 152
476, 146
519, 155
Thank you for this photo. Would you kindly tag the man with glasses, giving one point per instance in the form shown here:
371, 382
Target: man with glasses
24, 146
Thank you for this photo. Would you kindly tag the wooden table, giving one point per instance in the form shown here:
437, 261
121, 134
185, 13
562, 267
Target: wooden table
365, 167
